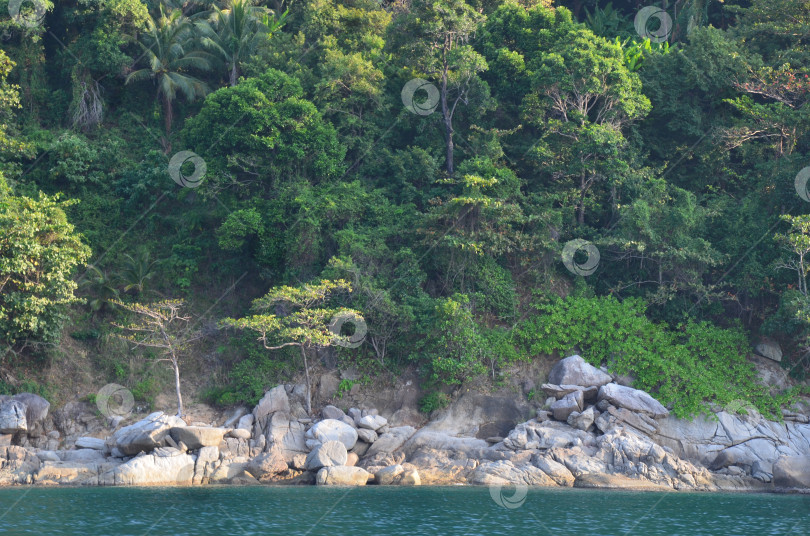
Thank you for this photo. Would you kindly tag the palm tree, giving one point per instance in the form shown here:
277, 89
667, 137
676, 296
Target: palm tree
138, 271
168, 46
234, 33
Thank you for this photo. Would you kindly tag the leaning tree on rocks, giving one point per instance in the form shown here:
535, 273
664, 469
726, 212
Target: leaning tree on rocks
160, 325
300, 317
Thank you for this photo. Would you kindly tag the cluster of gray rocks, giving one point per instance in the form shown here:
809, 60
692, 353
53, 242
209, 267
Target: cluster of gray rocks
590, 432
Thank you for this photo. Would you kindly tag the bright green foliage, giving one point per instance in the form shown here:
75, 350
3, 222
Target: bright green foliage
274, 133
138, 271
776, 29
306, 320
793, 315
97, 40
39, 251
342, 60
480, 222
635, 52
386, 311
10, 144
433, 35
306, 325
659, 241
685, 368
551, 124
584, 99
459, 351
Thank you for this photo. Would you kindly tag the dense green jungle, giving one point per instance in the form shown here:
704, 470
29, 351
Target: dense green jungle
250, 191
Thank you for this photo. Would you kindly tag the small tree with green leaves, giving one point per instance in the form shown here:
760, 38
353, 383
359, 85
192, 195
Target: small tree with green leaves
434, 36
290, 316
797, 241
458, 353
39, 250
159, 325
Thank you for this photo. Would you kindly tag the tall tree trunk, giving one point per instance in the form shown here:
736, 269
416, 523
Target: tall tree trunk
447, 117
306, 373
177, 386
581, 208
168, 116
234, 74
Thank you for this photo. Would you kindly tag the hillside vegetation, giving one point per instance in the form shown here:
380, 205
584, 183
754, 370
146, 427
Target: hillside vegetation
447, 186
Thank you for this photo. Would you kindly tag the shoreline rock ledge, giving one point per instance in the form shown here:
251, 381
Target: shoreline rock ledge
593, 432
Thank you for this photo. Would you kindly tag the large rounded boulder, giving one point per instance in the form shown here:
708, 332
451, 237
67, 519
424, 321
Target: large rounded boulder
574, 370
329, 454
333, 430
12, 417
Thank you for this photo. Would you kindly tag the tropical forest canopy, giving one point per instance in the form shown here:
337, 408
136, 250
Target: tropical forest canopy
482, 181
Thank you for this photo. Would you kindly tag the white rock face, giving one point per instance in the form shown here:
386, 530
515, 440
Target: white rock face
769, 349
274, 400
228, 469
145, 435
267, 465
207, 461
792, 472
83, 455
582, 421
570, 403
288, 434
369, 436
546, 435
392, 440
12, 417
246, 422
342, 476
328, 454
372, 422
632, 399
196, 437
90, 443
150, 470
239, 433
558, 472
333, 430
504, 472
574, 370
390, 475
36, 407
332, 412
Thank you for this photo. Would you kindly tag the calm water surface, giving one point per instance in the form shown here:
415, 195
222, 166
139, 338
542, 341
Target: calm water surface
392, 511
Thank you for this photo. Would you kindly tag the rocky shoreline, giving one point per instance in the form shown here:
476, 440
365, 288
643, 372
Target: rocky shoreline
592, 433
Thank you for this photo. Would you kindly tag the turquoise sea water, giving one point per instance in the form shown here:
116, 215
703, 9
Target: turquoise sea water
392, 511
